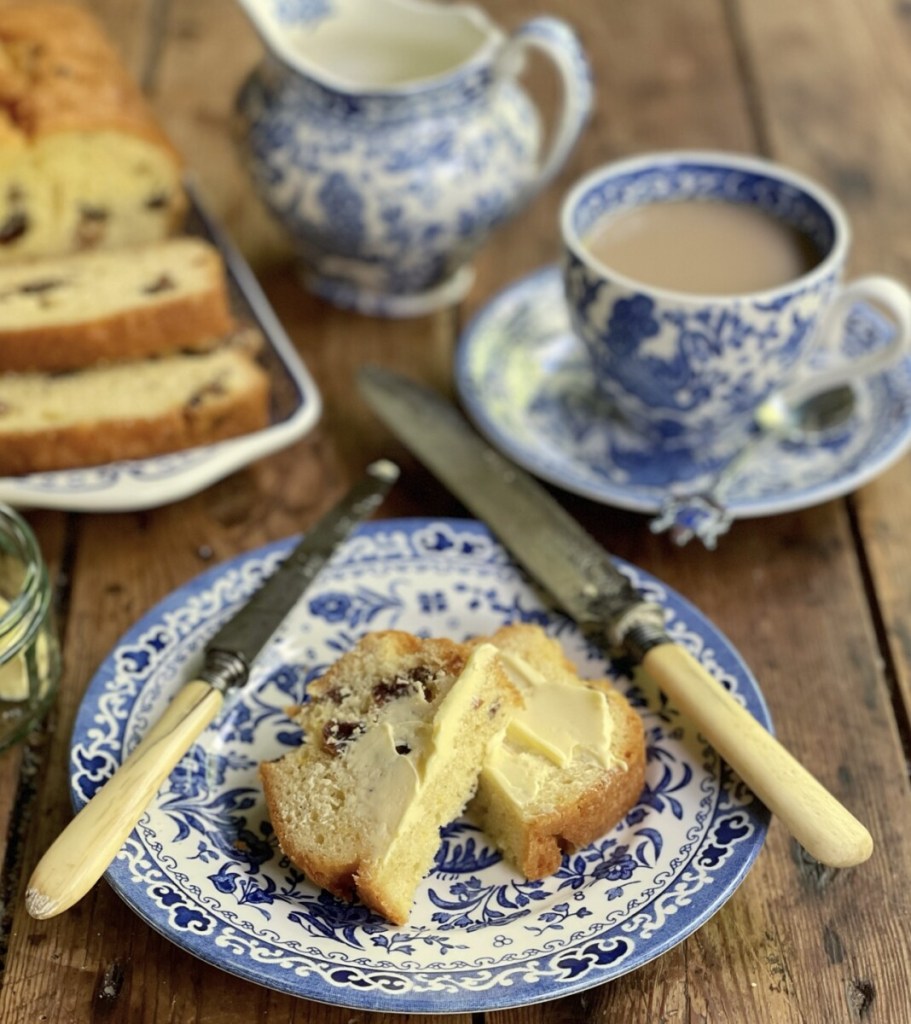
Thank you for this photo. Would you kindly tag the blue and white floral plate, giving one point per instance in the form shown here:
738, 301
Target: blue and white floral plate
524, 379
202, 866
149, 483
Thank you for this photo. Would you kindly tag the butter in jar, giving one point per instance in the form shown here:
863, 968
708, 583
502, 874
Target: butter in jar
29, 650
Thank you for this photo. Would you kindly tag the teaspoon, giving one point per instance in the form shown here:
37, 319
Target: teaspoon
702, 512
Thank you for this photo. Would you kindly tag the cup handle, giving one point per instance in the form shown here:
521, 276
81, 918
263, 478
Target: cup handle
892, 298
557, 41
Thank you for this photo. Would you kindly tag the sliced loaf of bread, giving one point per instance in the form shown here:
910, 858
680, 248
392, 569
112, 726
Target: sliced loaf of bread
84, 161
570, 765
110, 306
130, 410
396, 732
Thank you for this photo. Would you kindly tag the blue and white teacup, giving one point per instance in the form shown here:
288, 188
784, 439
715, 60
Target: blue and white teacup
687, 372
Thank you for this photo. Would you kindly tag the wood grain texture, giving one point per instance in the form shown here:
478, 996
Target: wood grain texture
816, 601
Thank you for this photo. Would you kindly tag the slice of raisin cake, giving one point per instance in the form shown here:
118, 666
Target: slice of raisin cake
396, 732
82, 310
131, 410
570, 765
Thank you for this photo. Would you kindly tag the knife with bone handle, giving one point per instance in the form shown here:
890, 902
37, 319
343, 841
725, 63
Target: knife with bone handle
82, 852
580, 575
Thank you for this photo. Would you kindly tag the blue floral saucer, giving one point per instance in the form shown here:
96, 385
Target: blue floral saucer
202, 866
524, 379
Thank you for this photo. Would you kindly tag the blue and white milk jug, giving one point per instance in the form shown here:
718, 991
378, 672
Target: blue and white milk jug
390, 136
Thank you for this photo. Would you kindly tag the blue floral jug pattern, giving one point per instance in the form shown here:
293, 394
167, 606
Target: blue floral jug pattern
390, 137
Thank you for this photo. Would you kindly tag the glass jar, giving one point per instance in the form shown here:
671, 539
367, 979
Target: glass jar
29, 650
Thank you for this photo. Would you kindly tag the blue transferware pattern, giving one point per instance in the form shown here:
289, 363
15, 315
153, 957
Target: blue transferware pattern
388, 189
682, 370
526, 381
203, 868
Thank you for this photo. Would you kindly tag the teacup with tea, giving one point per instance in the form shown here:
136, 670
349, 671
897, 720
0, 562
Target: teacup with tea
702, 283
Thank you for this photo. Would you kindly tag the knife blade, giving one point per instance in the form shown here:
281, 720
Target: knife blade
82, 852
580, 575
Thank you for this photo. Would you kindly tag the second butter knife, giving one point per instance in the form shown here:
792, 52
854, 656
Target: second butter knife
555, 550
80, 855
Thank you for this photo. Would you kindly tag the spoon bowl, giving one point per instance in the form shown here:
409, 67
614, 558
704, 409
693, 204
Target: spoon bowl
815, 413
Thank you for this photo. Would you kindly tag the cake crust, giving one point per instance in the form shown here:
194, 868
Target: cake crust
59, 72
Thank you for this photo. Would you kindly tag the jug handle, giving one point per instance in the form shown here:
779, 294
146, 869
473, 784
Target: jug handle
557, 41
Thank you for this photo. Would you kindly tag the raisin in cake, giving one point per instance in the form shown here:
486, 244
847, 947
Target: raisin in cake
396, 732
84, 162
130, 410
74, 311
570, 765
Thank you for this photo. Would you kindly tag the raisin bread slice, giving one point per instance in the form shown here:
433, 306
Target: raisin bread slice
130, 410
396, 732
75, 311
570, 765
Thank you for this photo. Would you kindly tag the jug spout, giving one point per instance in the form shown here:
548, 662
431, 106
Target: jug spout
357, 46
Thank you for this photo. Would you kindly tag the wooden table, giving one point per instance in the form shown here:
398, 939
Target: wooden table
817, 601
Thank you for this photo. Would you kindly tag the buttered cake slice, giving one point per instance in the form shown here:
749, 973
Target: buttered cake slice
396, 733
570, 764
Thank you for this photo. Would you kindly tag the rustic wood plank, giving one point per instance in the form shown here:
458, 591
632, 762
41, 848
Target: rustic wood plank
813, 83
868, 59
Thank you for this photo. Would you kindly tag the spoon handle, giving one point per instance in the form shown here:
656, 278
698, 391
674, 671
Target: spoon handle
822, 826
701, 512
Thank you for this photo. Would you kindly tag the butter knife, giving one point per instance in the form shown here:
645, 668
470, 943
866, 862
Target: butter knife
84, 849
580, 575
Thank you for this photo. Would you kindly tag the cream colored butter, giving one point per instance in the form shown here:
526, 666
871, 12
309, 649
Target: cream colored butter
457, 702
404, 776
375, 757
560, 718
515, 773
562, 721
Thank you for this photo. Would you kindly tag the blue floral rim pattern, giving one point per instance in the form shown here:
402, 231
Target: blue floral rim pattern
525, 380
202, 867
678, 180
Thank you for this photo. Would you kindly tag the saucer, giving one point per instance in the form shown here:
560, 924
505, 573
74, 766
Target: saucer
525, 381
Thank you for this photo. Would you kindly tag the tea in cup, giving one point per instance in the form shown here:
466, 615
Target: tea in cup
702, 283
